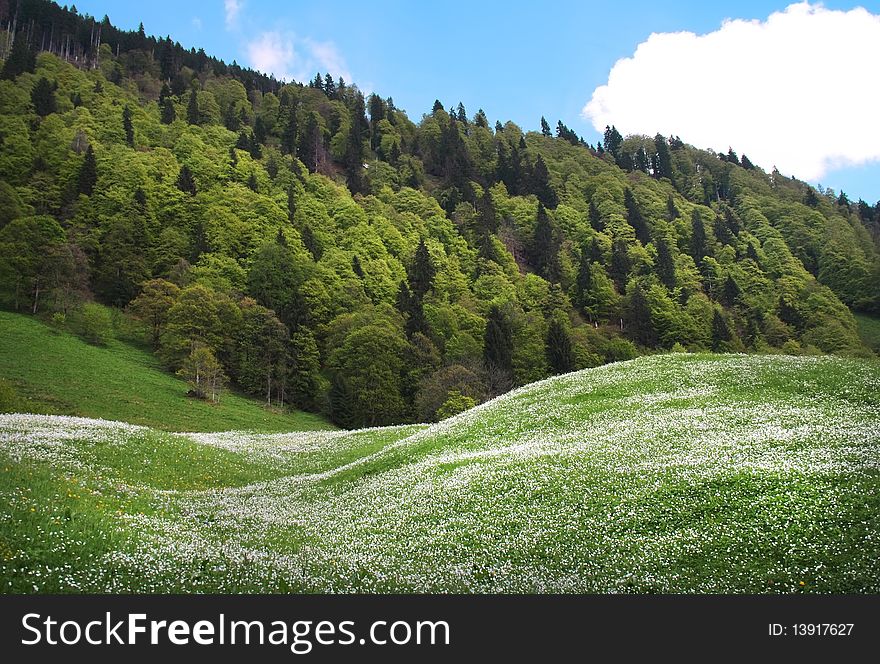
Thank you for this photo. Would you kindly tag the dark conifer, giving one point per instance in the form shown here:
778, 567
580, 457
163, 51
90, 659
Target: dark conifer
560, 355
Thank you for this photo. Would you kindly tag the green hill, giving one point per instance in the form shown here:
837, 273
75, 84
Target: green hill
43, 370
670, 473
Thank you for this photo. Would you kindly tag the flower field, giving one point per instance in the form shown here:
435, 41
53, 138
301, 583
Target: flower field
670, 473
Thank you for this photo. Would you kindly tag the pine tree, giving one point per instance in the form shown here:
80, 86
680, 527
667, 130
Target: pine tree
541, 184
613, 141
746, 163
545, 127
620, 264
595, 218
731, 292
461, 114
699, 244
356, 267
192, 108
641, 160
721, 335
311, 243
252, 182
21, 59
560, 355
43, 97
584, 281
437, 106
635, 218
544, 249
498, 351
88, 173
639, 324
288, 136
168, 111
487, 217
665, 265
342, 402
664, 160
127, 126
185, 181
291, 203
422, 272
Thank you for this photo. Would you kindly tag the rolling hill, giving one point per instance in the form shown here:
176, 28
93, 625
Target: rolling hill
44, 370
669, 473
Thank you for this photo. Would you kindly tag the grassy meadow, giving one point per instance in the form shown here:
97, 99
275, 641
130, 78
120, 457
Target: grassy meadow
670, 473
44, 370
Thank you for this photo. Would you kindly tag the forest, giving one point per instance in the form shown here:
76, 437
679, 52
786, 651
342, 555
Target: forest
320, 249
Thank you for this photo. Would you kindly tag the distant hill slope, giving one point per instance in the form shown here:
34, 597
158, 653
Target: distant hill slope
57, 373
671, 473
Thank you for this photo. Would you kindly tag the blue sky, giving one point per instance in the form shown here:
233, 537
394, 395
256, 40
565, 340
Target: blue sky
520, 61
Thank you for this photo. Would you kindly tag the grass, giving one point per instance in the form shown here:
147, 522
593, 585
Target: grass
869, 331
671, 473
43, 370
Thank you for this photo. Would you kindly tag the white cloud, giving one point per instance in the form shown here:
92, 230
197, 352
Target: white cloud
288, 58
232, 9
197, 23
327, 58
795, 91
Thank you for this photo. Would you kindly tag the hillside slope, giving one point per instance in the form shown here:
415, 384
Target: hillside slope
53, 372
672, 473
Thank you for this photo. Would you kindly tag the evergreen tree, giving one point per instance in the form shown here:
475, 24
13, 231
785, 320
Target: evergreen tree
289, 135
672, 212
43, 97
192, 108
746, 163
560, 356
252, 182
498, 351
545, 127
342, 402
635, 218
595, 218
354, 152
422, 272
664, 160
168, 111
185, 181
584, 281
665, 265
639, 323
127, 126
88, 173
613, 142
544, 250
699, 244
311, 243
21, 59
731, 292
541, 184
437, 107
461, 114
620, 264
487, 217
641, 160
721, 335
356, 267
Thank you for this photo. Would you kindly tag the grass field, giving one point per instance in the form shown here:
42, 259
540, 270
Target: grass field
672, 473
47, 371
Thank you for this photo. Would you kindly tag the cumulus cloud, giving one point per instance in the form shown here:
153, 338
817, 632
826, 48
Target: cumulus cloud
232, 9
288, 58
795, 91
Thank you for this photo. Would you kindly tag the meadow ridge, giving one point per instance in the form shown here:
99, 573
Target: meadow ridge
670, 473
